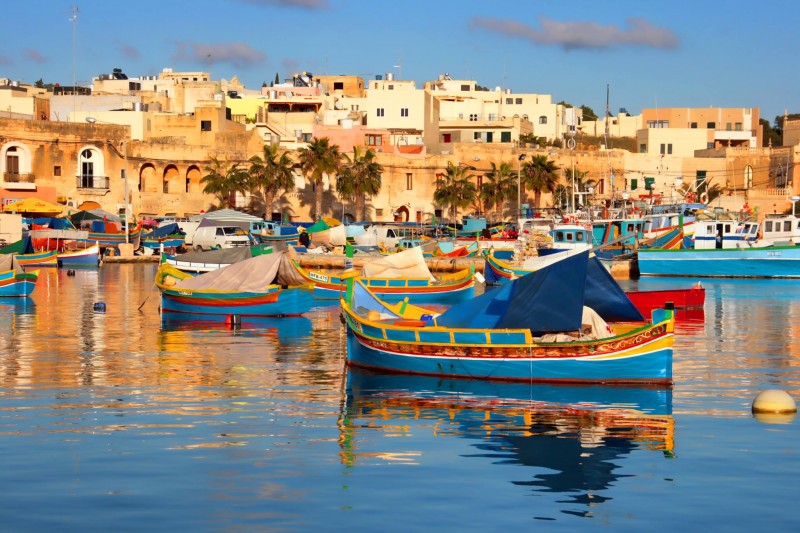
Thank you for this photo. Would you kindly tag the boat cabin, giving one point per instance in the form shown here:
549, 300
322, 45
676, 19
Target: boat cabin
782, 230
724, 234
570, 237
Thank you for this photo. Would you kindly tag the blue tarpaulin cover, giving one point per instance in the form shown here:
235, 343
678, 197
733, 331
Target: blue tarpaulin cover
547, 300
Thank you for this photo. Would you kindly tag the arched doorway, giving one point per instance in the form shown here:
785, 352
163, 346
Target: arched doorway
147, 178
401, 214
193, 176
171, 181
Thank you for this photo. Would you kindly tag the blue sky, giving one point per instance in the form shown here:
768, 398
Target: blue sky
651, 53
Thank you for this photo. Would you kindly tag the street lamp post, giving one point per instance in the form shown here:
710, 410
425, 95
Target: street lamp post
519, 184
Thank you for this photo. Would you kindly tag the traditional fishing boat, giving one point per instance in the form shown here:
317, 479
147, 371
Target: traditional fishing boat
14, 281
27, 256
566, 322
80, 257
166, 237
395, 277
255, 287
109, 235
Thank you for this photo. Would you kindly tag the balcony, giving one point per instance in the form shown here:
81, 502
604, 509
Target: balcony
16, 177
89, 181
18, 181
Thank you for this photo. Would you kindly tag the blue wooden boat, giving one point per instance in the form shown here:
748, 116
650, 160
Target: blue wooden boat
166, 237
88, 257
17, 284
567, 322
250, 288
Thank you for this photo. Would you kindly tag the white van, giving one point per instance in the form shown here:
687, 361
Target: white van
214, 237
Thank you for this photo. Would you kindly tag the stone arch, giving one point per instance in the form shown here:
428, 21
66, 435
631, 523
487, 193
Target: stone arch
148, 181
401, 214
171, 180
193, 176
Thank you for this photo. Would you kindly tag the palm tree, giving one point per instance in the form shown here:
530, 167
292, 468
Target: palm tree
500, 185
317, 160
224, 180
360, 177
455, 188
540, 175
271, 174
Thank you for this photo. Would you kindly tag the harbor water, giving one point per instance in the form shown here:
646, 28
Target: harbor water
115, 418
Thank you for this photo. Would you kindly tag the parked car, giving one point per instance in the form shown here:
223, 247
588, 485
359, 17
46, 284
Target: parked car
215, 237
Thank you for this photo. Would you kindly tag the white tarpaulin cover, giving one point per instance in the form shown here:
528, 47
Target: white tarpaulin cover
409, 263
251, 275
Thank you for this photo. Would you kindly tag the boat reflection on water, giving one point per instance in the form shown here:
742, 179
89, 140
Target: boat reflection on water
287, 328
13, 308
575, 436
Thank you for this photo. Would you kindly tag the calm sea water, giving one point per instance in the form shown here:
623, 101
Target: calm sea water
125, 420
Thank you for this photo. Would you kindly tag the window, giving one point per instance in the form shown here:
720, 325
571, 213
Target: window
728, 127
642, 148
403, 111
710, 145
492, 117
354, 107
519, 101
505, 136
737, 126
374, 140
711, 125
666, 149
542, 119
465, 87
658, 123
634, 183
378, 212
338, 86
447, 137
205, 125
693, 125
509, 100
391, 87
379, 111
57, 170
409, 181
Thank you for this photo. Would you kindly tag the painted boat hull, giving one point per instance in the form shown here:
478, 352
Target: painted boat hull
48, 258
275, 302
17, 285
767, 262
647, 364
419, 290
88, 257
646, 301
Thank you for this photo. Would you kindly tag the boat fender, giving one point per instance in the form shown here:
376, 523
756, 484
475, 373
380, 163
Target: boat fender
704, 198
100, 307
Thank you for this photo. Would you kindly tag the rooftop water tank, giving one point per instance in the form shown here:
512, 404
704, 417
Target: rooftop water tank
389, 76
